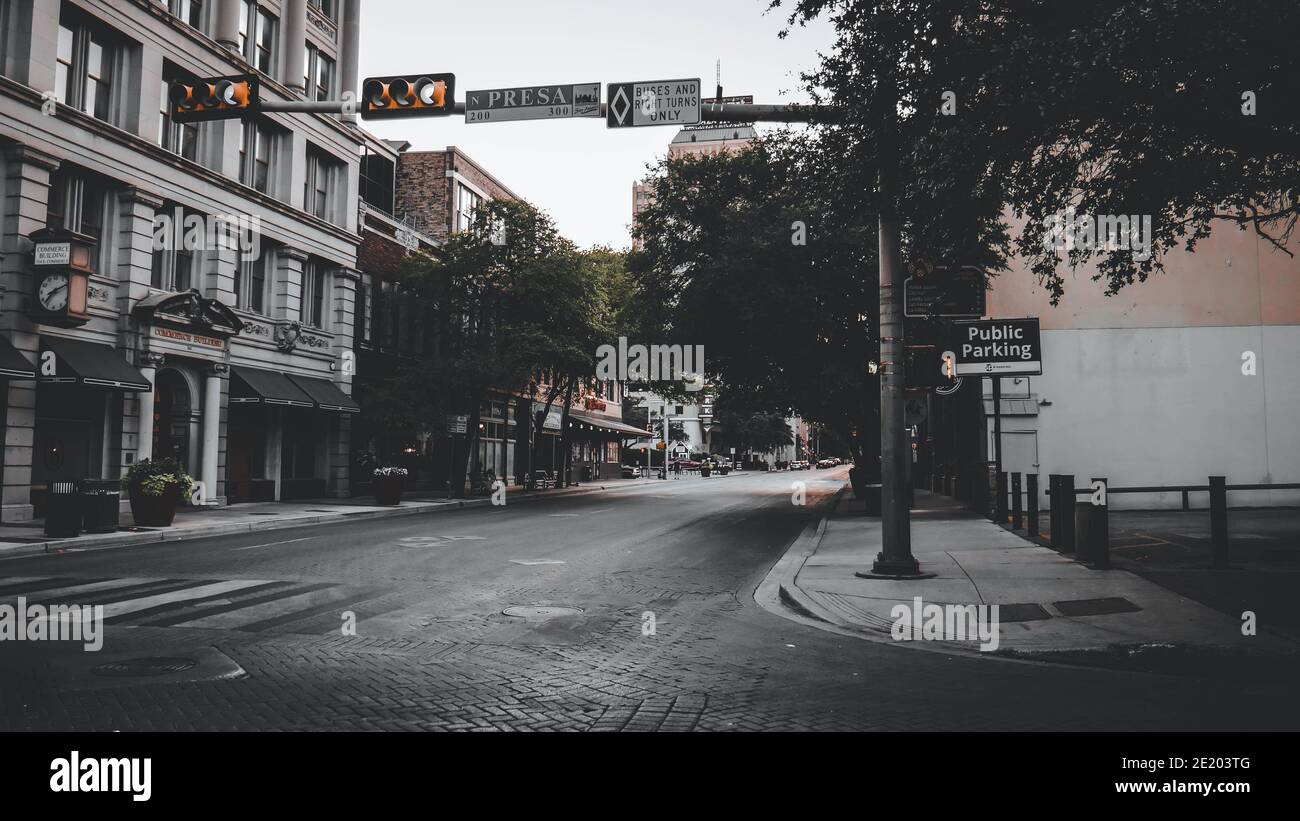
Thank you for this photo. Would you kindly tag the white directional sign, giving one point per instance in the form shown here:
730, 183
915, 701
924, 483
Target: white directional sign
533, 103
654, 102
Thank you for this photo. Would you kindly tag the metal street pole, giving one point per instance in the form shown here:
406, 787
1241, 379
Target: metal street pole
895, 558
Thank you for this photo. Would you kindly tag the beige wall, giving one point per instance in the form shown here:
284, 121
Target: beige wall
1233, 279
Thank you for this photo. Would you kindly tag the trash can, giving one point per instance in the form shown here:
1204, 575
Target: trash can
100, 505
62, 510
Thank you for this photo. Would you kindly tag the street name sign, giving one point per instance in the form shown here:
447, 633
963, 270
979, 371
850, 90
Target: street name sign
457, 423
533, 103
653, 102
945, 293
998, 347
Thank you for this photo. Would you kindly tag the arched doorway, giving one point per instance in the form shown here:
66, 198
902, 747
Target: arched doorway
173, 413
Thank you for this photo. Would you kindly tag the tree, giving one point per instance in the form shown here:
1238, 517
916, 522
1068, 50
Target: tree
758, 256
1127, 107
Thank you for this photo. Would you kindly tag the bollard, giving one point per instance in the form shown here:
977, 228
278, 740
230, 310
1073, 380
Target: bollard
1067, 513
1031, 496
1000, 498
1017, 516
1099, 544
1219, 521
1054, 510
1083, 531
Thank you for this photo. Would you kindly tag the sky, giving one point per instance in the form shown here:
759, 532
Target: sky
577, 170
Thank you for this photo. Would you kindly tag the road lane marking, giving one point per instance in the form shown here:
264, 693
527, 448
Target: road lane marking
563, 515
129, 606
273, 544
72, 591
535, 561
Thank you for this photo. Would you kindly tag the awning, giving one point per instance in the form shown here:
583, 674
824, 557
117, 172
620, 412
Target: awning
86, 363
326, 394
252, 385
605, 424
14, 365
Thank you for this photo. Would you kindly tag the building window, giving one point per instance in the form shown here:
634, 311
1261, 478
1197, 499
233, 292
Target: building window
327, 7
364, 302
250, 281
178, 138
173, 265
377, 181
257, 35
78, 202
84, 69
189, 12
318, 184
256, 154
317, 74
313, 294
468, 205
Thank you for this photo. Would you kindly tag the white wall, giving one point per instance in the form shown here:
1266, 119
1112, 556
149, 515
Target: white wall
1165, 406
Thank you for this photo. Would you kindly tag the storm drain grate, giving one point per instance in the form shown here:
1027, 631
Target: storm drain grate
1022, 612
537, 611
144, 667
1096, 607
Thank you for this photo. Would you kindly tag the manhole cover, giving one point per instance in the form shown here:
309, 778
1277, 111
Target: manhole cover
536, 611
144, 667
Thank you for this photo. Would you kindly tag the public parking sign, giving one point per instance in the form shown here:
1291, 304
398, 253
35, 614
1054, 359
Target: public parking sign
653, 102
997, 347
533, 103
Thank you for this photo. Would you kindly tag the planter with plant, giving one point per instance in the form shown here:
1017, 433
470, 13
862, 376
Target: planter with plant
389, 482
156, 488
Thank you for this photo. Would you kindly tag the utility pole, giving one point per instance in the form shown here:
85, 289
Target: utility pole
895, 558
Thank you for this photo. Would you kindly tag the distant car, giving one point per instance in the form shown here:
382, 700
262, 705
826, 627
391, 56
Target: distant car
684, 464
631, 472
798, 464
721, 462
825, 463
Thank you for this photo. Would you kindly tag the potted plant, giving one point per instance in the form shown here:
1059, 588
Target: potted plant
388, 485
155, 488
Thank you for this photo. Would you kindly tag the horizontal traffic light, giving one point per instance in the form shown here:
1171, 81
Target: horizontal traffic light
415, 95
213, 98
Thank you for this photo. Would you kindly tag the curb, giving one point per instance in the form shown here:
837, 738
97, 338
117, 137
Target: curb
134, 539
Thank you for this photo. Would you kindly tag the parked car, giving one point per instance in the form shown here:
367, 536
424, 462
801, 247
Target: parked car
631, 472
684, 464
798, 464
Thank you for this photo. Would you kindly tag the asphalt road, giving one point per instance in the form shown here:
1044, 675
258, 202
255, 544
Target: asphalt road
664, 633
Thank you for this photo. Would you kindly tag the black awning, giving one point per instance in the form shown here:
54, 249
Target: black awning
326, 394
14, 365
87, 363
269, 387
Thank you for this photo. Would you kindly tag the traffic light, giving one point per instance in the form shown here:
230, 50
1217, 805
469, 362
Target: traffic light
213, 98
416, 95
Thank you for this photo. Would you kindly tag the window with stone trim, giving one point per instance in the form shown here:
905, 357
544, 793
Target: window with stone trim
257, 32
251, 277
258, 145
174, 262
323, 172
79, 201
317, 74
314, 287
89, 59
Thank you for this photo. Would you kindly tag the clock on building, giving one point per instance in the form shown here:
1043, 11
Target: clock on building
62, 262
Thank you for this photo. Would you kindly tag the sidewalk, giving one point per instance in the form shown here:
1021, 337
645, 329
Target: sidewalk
25, 539
1048, 603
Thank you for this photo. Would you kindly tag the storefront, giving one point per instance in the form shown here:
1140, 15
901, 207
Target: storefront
597, 442
278, 434
79, 412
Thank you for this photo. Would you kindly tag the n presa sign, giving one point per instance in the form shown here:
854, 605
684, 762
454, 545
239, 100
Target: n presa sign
997, 347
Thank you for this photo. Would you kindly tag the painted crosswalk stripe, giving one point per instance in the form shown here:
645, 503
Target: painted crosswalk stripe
117, 610
241, 614
72, 592
21, 584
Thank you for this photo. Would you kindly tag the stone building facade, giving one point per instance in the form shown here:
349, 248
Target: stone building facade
232, 355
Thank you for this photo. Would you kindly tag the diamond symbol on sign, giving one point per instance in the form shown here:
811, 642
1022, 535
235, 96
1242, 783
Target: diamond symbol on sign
620, 105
